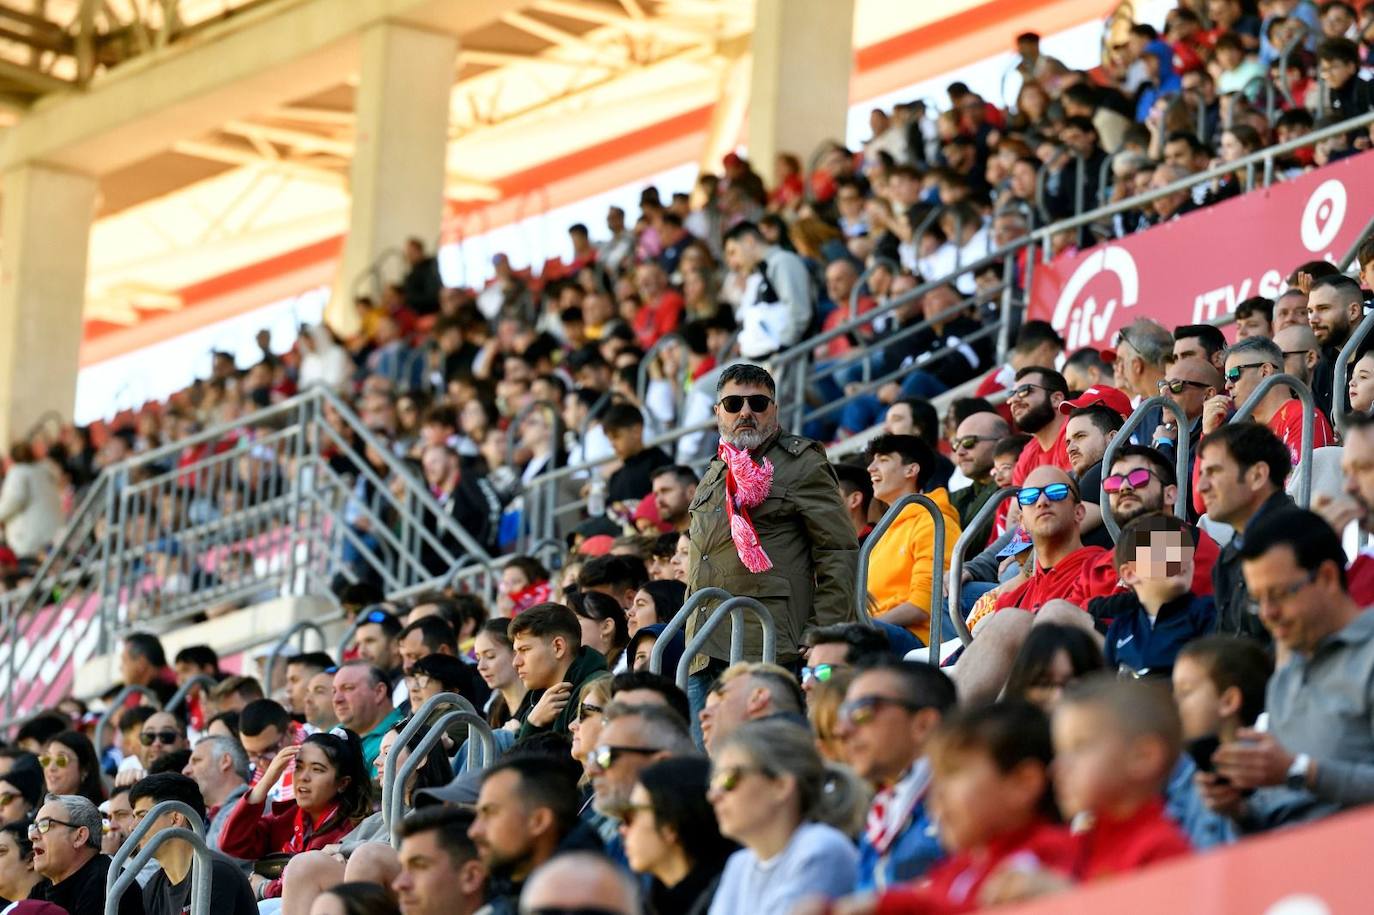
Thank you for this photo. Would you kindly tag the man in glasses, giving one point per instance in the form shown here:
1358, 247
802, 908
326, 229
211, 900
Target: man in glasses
1293, 566
792, 527
832, 650
1034, 404
1190, 382
748, 692
974, 442
888, 715
66, 851
1241, 469
161, 734
1248, 362
1051, 512
634, 737
265, 729
903, 562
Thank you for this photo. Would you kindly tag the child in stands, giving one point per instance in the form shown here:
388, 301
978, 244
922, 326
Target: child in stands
990, 794
1148, 625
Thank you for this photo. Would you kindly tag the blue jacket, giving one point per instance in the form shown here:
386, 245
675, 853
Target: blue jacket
1204, 828
1131, 640
915, 850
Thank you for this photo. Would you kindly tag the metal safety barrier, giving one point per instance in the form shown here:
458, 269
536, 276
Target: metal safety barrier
481, 754
1339, 385
734, 608
200, 870
418, 721
117, 703
299, 629
204, 681
1181, 458
937, 572
679, 622
956, 560
1309, 415
130, 846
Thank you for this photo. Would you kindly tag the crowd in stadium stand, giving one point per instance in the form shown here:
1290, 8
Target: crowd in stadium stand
1198, 678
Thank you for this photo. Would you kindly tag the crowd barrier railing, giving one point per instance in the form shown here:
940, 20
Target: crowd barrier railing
1181, 457
735, 609
1309, 414
200, 870
937, 573
143, 827
956, 560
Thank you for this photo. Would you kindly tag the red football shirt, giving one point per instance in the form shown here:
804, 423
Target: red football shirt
1286, 423
1069, 580
1033, 456
1114, 847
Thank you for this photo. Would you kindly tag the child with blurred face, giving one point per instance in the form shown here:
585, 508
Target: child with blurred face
1152, 621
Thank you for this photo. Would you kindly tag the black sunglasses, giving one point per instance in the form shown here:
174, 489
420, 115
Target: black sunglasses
733, 403
164, 737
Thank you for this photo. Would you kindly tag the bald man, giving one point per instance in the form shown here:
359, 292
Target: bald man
1301, 351
580, 881
1188, 383
973, 444
1054, 585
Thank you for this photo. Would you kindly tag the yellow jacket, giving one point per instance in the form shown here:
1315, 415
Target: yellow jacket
900, 566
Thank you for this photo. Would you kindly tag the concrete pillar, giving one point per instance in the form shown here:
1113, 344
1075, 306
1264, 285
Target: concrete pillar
803, 53
45, 226
400, 158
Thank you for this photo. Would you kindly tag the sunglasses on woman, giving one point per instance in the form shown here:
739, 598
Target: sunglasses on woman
733, 403
587, 710
1135, 479
728, 779
1029, 495
59, 761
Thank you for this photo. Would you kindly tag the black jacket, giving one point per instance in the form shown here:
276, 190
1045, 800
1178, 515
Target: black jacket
83, 893
1228, 585
476, 506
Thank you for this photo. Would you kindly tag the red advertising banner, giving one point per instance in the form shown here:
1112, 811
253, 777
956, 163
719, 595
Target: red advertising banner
1310, 870
1200, 266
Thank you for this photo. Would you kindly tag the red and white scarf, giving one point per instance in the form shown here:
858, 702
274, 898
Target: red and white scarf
893, 805
304, 829
747, 484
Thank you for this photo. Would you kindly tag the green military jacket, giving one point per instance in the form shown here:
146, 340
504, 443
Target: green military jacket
804, 528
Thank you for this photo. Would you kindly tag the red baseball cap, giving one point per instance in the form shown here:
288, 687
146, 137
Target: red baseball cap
599, 545
1099, 394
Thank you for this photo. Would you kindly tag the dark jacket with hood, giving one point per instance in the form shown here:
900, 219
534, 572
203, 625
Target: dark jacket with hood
586, 664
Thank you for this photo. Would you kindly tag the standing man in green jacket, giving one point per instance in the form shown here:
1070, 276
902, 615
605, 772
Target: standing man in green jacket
554, 665
791, 545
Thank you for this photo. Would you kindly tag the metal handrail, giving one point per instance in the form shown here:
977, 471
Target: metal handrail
418, 719
116, 704
181, 695
937, 572
734, 608
304, 626
200, 870
143, 827
484, 749
1309, 414
1339, 413
679, 621
1181, 458
956, 559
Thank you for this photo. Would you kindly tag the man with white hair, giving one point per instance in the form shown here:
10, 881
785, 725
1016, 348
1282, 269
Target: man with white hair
580, 881
66, 851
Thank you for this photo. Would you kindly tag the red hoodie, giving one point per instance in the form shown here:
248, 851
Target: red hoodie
1114, 847
953, 885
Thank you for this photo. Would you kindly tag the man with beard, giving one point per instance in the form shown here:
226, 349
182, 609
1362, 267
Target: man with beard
768, 522
1142, 481
526, 813
1334, 306
1034, 406
674, 487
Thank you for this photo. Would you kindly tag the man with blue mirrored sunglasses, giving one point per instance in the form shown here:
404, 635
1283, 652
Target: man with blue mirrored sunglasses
1055, 586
